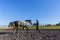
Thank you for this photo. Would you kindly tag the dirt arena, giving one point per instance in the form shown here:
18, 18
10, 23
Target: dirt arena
30, 35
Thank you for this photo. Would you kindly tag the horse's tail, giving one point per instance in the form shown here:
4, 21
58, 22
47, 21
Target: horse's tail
10, 24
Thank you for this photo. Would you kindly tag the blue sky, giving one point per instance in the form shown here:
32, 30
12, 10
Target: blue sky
46, 11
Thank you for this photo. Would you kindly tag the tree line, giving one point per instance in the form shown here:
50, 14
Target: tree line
57, 24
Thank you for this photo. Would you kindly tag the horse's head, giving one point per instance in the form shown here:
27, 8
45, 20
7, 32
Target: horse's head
29, 21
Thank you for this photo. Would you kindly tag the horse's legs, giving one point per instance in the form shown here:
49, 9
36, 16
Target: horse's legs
17, 29
26, 27
14, 28
23, 27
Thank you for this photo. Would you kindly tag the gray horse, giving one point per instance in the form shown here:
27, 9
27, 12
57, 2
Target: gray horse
16, 24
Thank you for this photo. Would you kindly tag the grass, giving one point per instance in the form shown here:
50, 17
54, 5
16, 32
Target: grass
34, 27
45, 27
51, 27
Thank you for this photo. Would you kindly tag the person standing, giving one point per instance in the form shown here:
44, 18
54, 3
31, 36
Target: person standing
37, 24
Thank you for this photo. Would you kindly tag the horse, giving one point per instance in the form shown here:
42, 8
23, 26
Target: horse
16, 24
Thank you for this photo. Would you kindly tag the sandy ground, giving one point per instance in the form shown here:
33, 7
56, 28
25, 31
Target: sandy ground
30, 35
